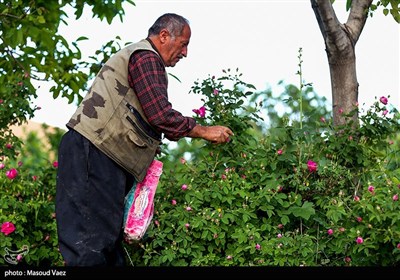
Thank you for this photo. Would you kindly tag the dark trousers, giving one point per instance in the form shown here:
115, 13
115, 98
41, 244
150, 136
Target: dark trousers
89, 204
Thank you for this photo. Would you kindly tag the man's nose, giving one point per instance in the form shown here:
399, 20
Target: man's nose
185, 51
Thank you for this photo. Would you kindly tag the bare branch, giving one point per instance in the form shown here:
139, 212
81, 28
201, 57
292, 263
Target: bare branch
357, 18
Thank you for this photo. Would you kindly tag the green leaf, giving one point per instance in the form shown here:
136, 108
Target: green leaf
305, 211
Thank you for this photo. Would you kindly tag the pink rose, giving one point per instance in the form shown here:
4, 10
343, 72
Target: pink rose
7, 228
312, 166
371, 189
12, 173
383, 100
258, 246
200, 112
184, 187
359, 240
330, 231
173, 202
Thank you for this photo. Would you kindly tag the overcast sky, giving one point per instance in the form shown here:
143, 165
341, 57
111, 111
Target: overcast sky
261, 38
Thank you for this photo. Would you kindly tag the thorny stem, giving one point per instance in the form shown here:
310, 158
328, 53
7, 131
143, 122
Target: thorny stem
300, 73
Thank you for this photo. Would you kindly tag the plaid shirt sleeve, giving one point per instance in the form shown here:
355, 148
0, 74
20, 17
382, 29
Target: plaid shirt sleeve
148, 80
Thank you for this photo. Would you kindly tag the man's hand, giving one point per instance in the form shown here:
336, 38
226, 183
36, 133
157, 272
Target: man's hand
216, 134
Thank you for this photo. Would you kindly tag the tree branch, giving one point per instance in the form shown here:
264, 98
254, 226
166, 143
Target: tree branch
357, 18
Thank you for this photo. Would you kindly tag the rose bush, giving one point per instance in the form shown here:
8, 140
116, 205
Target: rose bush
286, 197
298, 192
27, 185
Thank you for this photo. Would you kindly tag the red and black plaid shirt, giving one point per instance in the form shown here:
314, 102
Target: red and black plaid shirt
147, 78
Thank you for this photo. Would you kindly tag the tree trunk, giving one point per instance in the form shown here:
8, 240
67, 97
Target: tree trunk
340, 41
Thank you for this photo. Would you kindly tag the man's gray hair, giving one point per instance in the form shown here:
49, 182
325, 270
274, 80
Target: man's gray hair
172, 22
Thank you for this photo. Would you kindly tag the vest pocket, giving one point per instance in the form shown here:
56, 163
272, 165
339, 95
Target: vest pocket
141, 124
138, 130
130, 147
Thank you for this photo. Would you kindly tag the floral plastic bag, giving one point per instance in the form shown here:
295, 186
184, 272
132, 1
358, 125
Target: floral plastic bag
139, 204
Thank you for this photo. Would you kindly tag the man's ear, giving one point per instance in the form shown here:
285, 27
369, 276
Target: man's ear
164, 34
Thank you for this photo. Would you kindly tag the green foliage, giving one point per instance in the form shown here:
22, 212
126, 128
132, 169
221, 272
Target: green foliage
27, 201
393, 9
256, 201
31, 50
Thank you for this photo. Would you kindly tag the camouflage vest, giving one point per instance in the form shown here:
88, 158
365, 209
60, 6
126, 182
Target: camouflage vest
111, 117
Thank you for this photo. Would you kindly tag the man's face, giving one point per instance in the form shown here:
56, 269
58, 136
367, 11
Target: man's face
176, 48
